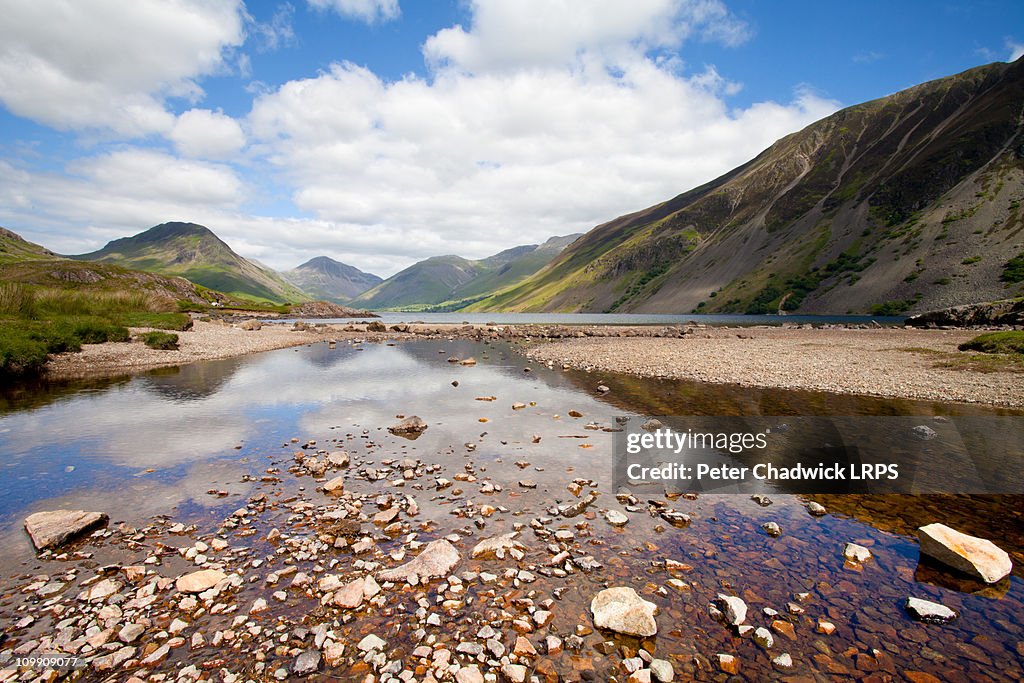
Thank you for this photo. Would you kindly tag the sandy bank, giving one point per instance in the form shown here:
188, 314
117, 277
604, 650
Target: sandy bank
895, 363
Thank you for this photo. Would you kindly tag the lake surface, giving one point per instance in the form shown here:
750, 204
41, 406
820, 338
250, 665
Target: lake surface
195, 443
396, 317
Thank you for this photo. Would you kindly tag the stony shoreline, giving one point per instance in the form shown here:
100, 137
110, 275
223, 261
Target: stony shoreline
886, 362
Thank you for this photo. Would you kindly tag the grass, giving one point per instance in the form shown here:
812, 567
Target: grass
163, 341
1010, 342
1013, 270
36, 322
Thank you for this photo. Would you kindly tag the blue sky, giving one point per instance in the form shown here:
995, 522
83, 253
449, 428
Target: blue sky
380, 132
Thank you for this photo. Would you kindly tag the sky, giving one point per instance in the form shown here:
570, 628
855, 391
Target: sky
382, 132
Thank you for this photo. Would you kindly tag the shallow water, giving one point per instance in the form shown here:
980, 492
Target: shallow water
392, 317
156, 444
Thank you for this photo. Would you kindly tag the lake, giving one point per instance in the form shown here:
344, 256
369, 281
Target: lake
397, 317
193, 445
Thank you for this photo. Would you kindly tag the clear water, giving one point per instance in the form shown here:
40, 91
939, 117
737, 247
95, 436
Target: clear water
157, 443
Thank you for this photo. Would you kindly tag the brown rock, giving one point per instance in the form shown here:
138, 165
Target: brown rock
199, 581
53, 528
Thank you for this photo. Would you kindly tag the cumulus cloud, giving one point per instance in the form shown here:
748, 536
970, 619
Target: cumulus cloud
1016, 50
207, 134
95, 64
523, 33
369, 11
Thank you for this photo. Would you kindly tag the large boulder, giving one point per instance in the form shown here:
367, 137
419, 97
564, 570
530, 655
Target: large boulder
971, 555
623, 611
53, 528
436, 560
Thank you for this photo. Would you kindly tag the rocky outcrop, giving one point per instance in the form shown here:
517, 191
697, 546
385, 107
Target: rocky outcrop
623, 611
54, 528
1005, 312
326, 309
971, 555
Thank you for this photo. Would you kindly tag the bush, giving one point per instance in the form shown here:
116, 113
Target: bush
1013, 270
162, 341
996, 342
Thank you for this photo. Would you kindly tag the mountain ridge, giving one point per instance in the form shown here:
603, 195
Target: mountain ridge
324, 278
194, 252
868, 210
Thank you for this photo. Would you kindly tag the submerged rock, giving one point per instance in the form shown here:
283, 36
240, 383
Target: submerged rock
436, 560
856, 553
971, 555
499, 545
53, 528
623, 611
410, 426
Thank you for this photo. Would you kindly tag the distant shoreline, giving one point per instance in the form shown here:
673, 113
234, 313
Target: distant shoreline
886, 362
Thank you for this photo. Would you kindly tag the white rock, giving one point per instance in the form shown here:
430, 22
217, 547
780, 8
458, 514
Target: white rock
931, 612
971, 555
856, 553
734, 610
623, 611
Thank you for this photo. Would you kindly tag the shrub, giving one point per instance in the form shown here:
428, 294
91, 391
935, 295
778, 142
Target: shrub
163, 341
1013, 270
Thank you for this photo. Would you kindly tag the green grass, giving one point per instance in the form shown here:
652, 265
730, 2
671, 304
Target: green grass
36, 322
163, 341
894, 307
1010, 342
1013, 270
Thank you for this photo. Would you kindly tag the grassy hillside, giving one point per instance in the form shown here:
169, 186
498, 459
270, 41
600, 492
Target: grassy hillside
193, 252
905, 203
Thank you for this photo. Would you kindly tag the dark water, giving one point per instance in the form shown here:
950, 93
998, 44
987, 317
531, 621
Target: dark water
391, 317
157, 443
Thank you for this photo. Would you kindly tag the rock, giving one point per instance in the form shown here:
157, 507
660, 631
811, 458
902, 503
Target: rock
783, 661
469, 674
250, 325
498, 545
339, 459
436, 560
825, 627
662, 671
376, 326
411, 425
923, 433
772, 529
616, 518
727, 663
306, 663
333, 654
764, 637
54, 528
99, 591
371, 642
468, 361
930, 612
199, 581
856, 553
514, 673
623, 611
349, 596
1002, 312
603, 389
130, 633
971, 555
816, 509
336, 485
761, 499
734, 610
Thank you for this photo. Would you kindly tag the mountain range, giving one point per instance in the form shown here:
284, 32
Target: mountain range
452, 282
908, 202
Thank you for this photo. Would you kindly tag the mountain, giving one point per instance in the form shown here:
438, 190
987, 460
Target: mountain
14, 247
455, 282
905, 203
192, 251
327, 279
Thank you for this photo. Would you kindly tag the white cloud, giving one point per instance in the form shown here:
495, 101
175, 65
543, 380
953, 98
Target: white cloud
207, 134
109, 65
369, 11
1016, 50
525, 33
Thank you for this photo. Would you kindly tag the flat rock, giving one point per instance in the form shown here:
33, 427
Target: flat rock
53, 528
856, 553
971, 555
498, 545
616, 518
349, 596
623, 611
930, 612
199, 581
336, 485
436, 560
306, 663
